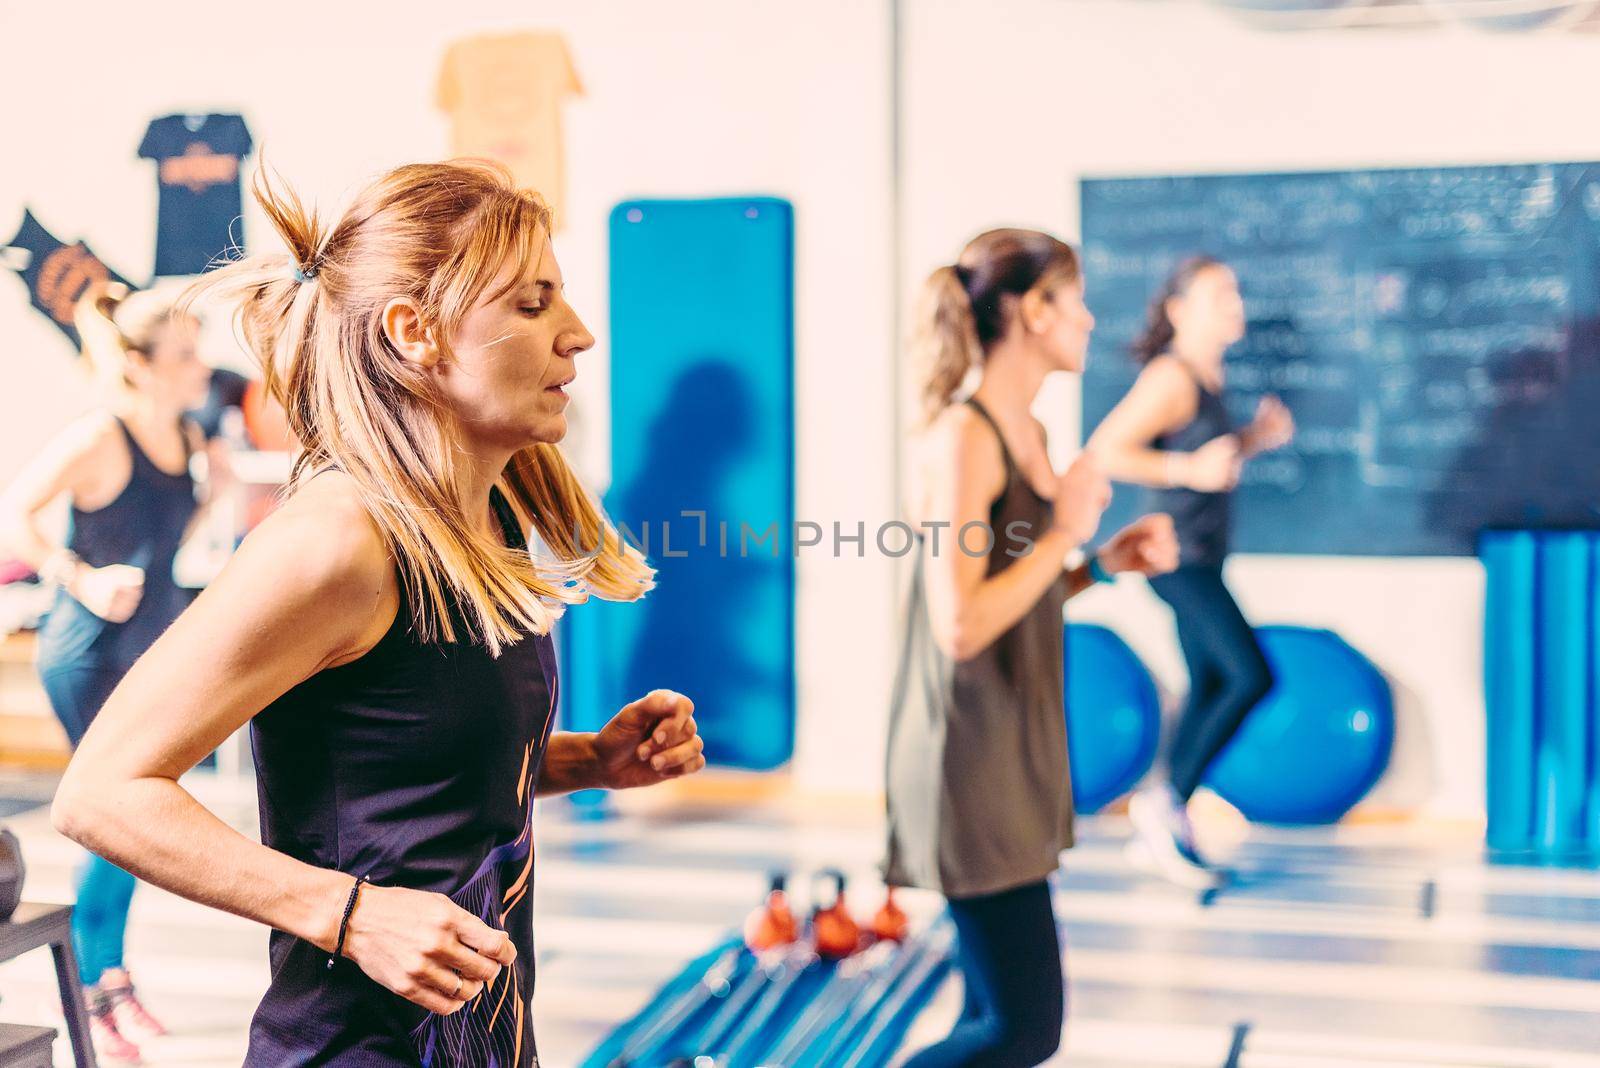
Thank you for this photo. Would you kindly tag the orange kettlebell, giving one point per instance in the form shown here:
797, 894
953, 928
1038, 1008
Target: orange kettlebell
834, 931
890, 923
773, 924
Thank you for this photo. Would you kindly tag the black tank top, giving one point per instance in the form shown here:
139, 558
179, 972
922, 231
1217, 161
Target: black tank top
143, 527
415, 766
1203, 520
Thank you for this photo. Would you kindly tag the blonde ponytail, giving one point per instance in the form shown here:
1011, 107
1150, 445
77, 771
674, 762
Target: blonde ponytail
115, 322
945, 344
440, 234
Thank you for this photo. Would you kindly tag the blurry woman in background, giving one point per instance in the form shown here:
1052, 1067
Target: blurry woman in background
1172, 433
386, 633
125, 471
980, 806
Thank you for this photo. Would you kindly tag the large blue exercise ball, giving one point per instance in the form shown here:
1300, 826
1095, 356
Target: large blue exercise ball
1318, 741
1113, 716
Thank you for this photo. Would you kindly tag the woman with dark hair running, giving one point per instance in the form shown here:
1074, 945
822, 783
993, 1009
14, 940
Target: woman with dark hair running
980, 806
386, 634
1173, 434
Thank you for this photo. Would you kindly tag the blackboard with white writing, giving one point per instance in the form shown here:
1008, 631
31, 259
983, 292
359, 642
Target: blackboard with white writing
1436, 332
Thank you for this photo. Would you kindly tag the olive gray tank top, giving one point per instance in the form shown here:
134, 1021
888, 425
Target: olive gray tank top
979, 794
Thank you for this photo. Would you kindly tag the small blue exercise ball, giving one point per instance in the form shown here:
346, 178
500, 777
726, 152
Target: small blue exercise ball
1113, 716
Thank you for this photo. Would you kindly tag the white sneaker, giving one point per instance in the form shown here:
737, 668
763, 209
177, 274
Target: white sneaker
1159, 827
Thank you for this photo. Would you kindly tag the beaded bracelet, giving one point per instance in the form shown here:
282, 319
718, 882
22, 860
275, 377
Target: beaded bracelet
344, 922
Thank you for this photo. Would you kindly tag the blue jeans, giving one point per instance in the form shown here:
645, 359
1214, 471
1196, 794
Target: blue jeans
1010, 958
1228, 675
77, 689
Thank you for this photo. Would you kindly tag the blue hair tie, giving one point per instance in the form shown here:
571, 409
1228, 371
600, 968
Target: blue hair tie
306, 273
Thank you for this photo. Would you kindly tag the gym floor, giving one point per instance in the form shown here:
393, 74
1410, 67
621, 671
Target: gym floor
1372, 946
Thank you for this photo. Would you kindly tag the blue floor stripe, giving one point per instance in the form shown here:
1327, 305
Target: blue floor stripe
1240, 1030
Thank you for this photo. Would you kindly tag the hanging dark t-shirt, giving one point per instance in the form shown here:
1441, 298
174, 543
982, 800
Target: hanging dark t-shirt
197, 170
57, 274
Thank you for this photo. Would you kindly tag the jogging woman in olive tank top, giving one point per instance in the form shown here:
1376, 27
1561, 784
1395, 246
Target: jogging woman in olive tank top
1172, 433
386, 632
980, 806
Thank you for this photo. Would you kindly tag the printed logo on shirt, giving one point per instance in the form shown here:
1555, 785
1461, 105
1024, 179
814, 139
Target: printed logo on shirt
199, 168
65, 276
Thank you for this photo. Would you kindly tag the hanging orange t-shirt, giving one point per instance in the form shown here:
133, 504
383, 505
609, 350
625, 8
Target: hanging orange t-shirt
504, 94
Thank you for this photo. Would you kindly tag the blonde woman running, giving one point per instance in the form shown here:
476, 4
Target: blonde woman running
386, 635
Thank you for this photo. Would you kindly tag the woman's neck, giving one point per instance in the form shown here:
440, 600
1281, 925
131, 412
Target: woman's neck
1204, 357
143, 410
477, 473
1011, 379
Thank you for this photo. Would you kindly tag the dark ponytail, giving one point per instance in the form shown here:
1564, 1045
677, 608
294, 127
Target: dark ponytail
1158, 332
963, 310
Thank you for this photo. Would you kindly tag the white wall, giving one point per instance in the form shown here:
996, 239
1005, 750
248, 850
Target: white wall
693, 99
1012, 100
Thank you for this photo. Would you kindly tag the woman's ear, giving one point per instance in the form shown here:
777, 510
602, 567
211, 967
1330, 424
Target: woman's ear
135, 367
411, 337
1173, 306
1035, 311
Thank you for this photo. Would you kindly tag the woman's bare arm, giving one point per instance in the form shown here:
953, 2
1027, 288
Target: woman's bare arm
968, 608
1162, 399
71, 464
312, 587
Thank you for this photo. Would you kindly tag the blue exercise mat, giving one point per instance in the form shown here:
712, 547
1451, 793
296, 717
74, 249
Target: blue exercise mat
702, 460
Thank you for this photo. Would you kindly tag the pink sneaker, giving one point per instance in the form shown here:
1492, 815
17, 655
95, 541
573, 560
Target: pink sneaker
110, 1046
128, 1012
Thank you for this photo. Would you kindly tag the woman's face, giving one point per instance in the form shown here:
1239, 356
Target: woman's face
514, 356
1210, 312
1064, 327
172, 371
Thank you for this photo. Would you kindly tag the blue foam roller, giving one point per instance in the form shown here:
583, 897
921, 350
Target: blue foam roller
1510, 561
1563, 745
1318, 741
1592, 827
1113, 716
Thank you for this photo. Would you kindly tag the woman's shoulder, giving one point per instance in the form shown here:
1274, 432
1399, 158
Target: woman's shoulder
96, 433
1169, 384
961, 431
961, 451
1167, 370
324, 539
90, 456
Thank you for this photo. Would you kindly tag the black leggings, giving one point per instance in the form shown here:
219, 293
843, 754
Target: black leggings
1228, 675
1015, 990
